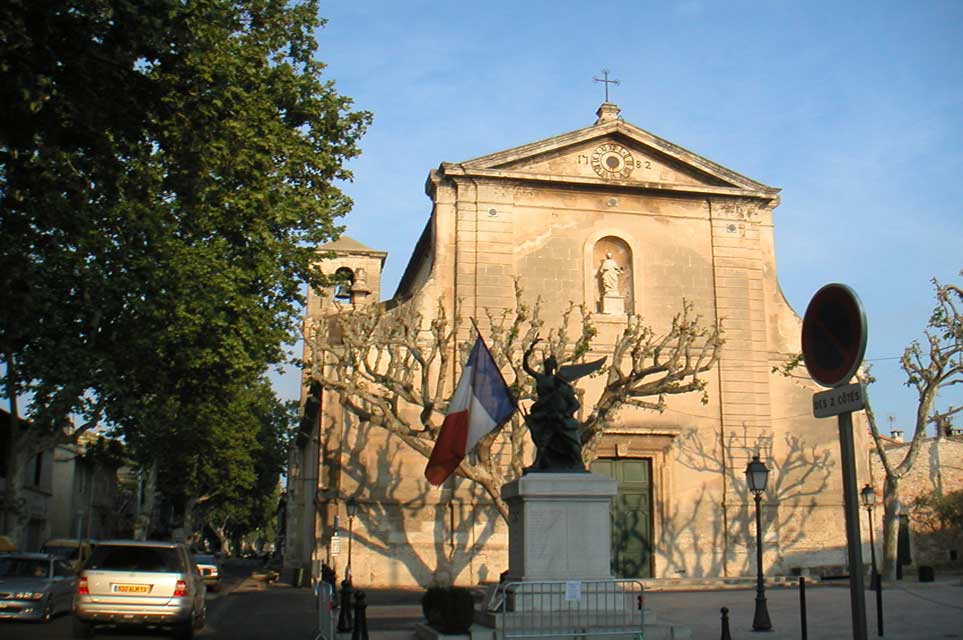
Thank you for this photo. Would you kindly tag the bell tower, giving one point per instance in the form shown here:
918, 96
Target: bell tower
358, 269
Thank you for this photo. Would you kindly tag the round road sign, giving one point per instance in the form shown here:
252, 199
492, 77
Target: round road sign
834, 335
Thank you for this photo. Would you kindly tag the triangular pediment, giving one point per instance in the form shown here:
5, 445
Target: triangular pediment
613, 153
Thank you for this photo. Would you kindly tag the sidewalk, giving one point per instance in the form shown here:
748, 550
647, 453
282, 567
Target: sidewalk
912, 611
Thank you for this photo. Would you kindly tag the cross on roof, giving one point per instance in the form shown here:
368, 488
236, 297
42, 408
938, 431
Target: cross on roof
607, 82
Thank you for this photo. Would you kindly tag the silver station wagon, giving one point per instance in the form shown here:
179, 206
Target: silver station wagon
34, 586
145, 584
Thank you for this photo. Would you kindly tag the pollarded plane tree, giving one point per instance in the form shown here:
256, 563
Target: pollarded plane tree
395, 368
932, 365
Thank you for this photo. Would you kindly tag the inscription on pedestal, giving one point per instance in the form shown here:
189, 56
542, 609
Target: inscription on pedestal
559, 526
546, 519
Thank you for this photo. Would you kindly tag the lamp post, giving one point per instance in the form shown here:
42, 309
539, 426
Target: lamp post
868, 497
352, 506
757, 473
345, 622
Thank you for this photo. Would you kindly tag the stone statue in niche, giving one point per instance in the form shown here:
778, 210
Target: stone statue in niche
609, 275
551, 420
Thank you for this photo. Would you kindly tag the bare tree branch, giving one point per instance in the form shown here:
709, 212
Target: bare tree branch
391, 368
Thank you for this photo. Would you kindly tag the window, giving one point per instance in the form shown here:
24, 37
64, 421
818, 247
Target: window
131, 558
24, 568
37, 469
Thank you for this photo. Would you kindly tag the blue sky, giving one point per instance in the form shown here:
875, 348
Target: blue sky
854, 109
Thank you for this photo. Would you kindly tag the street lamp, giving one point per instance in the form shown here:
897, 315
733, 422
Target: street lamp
868, 497
757, 473
352, 506
345, 622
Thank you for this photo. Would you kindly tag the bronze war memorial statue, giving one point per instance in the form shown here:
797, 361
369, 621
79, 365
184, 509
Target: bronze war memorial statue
551, 420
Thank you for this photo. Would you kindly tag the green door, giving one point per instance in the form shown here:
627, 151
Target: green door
631, 515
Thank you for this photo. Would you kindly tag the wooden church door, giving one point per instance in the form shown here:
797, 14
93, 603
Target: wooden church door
631, 515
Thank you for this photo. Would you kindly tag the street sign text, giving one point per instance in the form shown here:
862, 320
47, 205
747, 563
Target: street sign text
844, 399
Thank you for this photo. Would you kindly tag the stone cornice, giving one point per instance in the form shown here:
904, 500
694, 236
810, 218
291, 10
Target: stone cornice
480, 166
451, 170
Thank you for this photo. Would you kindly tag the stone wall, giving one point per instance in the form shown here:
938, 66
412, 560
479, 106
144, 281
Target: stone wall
938, 470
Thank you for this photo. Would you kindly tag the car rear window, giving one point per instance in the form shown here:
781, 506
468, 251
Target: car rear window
156, 559
204, 559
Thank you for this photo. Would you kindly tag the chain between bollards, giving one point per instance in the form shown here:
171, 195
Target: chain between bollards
360, 617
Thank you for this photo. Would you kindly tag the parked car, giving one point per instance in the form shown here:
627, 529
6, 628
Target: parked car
210, 568
76, 551
35, 586
140, 584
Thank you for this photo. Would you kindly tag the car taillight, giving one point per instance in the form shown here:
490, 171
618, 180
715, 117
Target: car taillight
82, 587
181, 588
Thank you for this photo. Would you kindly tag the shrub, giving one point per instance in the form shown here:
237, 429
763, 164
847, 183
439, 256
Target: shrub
448, 609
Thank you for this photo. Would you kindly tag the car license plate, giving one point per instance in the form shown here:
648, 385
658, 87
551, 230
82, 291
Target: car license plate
131, 588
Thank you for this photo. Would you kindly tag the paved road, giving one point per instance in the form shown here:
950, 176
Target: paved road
249, 610
230, 614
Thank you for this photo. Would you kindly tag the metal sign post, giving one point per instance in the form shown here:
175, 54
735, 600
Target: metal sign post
833, 343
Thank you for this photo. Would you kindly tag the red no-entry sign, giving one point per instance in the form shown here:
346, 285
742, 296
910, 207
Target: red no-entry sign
834, 335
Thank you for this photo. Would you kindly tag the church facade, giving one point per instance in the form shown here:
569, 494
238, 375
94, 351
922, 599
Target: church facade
629, 224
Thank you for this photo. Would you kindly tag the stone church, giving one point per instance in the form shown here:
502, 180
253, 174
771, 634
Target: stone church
628, 223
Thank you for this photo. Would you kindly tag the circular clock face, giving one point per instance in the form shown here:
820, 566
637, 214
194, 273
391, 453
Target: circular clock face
612, 161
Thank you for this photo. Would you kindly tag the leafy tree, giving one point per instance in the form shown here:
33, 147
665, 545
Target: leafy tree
393, 367
166, 169
234, 515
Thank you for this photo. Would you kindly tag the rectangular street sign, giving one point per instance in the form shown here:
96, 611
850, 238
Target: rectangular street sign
844, 399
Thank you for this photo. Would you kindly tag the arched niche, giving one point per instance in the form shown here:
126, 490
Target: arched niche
342, 290
612, 277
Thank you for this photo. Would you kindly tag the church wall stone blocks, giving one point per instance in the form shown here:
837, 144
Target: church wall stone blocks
627, 223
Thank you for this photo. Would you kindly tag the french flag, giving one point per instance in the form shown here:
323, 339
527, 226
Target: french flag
482, 402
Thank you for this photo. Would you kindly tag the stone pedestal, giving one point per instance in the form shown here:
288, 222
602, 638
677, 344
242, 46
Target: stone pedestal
559, 526
613, 304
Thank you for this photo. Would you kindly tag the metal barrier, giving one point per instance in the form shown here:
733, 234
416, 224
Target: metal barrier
325, 611
569, 609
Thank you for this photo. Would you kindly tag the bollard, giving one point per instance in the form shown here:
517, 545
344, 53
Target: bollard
360, 617
344, 615
725, 624
802, 608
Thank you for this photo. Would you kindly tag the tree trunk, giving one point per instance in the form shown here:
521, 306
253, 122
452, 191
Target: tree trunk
12, 508
891, 512
188, 535
14, 504
145, 513
221, 533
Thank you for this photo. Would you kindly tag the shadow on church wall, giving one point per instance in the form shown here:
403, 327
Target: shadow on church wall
438, 536
714, 535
